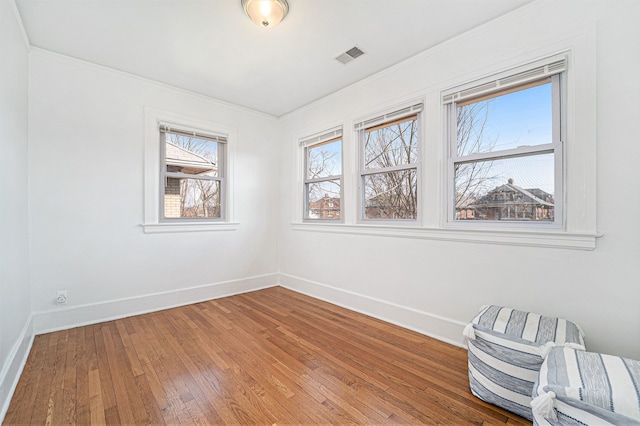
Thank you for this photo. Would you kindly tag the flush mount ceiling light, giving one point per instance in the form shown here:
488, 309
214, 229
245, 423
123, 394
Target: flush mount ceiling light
266, 13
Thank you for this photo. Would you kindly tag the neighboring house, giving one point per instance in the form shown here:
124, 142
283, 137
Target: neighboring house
509, 202
463, 209
181, 160
325, 208
375, 207
391, 206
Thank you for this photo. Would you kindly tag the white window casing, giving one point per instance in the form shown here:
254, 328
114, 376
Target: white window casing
551, 70
313, 142
159, 122
166, 129
409, 111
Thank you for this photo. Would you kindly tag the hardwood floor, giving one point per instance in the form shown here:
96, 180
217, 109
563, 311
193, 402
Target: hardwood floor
268, 357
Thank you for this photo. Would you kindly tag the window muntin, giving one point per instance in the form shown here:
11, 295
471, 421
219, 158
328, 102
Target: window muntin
389, 170
192, 175
323, 180
506, 161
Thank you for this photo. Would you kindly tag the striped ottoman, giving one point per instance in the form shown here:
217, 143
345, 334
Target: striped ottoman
586, 388
506, 350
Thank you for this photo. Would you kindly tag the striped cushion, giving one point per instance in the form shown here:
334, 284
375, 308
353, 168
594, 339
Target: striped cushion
506, 349
527, 326
576, 387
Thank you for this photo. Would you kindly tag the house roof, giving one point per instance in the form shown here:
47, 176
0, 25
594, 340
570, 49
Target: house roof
188, 161
528, 196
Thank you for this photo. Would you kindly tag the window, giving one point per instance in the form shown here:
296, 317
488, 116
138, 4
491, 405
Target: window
515, 159
192, 175
389, 166
505, 149
188, 174
323, 176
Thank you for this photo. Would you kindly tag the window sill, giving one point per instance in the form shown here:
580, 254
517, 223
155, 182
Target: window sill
534, 238
161, 228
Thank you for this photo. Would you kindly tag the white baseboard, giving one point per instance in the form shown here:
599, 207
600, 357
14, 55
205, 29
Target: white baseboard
65, 317
13, 366
436, 326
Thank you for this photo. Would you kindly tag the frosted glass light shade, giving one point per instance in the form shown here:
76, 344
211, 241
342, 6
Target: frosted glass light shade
266, 13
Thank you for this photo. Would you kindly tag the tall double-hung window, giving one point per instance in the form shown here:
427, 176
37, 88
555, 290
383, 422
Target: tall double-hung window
192, 175
390, 165
323, 176
505, 142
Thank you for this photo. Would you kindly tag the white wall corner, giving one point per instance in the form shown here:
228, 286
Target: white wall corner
23, 32
66, 317
444, 329
13, 366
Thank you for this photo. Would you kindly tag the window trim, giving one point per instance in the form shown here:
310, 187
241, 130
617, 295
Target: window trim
511, 237
580, 227
152, 222
395, 115
553, 68
305, 143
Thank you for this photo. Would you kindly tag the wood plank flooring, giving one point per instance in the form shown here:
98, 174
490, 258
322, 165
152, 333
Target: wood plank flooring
272, 356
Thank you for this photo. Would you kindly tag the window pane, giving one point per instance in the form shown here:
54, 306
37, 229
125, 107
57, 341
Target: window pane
191, 198
391, 195
507, 121
191, 155
391, 145
324, 160
509, 189
323, 200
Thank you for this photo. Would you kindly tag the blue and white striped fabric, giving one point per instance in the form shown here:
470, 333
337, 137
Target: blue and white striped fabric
506, 350
586, 388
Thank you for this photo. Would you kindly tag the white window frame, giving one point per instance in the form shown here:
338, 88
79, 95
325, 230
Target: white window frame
221, 140
156, 119
360, 128
554, 68
579, 230
305, 144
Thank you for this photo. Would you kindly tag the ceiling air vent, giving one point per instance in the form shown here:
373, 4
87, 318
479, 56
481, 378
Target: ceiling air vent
349, 55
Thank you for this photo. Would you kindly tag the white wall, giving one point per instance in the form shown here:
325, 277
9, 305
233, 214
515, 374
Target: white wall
86, 157
15, 304
437, 286
85, 161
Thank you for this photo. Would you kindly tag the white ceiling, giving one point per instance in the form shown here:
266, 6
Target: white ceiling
211, 47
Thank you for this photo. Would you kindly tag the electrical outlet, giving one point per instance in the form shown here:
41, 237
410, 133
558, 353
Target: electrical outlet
62, 297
